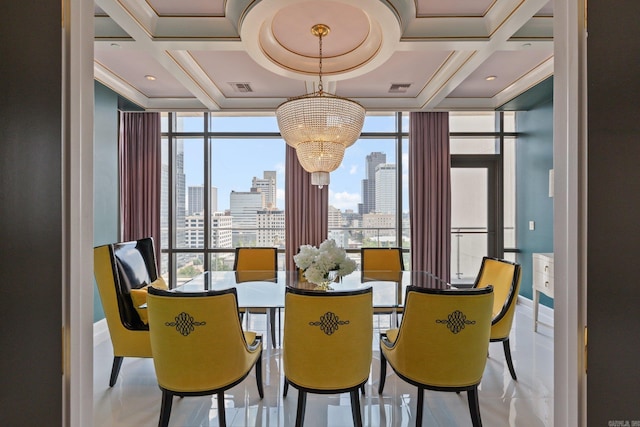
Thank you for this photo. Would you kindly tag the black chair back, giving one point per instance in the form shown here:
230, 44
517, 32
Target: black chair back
134, 268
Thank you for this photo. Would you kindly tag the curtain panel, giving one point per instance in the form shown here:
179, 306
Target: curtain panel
307, 206
430, 193
140, 162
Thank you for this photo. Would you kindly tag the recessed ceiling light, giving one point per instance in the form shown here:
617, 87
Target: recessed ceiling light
116, 45
150, 77
526, 45
489, 78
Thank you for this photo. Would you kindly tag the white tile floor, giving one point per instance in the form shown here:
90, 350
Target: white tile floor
528, 402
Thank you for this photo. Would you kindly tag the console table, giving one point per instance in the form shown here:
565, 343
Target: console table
542, 281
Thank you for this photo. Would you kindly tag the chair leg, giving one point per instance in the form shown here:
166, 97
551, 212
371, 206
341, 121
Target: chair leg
383, 372
279, 326
222, 418
259, 375
355, 408
474, 407
302, 404
115, 370
362, 390
165, 408
507, 355
285, 389
272, 321
420, 407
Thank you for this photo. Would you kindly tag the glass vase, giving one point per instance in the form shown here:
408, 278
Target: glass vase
329, 278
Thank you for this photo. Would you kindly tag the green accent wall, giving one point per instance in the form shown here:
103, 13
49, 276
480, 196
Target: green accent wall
534, 159
105, 176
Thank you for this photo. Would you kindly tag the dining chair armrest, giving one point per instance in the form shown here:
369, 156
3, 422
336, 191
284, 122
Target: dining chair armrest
257, 342
384, 340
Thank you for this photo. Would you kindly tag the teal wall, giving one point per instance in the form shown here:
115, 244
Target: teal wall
534, 159
105, 175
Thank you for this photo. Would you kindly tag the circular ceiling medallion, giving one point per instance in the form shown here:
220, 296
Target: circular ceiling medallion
277, 34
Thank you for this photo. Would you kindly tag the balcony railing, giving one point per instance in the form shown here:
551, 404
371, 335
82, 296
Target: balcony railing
468, 246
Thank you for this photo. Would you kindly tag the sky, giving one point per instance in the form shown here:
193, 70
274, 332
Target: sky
236, 161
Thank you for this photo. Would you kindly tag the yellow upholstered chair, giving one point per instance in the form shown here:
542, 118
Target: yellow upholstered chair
441, 344
382, 264
505, 277
121, 270
256, 259
327, 344
255, 262
199, 347
381, 259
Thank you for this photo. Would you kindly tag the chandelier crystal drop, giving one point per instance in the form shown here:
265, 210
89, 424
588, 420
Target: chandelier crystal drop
320, 125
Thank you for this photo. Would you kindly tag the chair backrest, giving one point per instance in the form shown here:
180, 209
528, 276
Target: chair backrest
444, 336
327, 338
381, 276
505, 278
118, 268
255, 276
381, 259
197, 341
256, 259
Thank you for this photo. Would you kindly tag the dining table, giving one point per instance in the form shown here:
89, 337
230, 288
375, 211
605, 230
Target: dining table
265, 290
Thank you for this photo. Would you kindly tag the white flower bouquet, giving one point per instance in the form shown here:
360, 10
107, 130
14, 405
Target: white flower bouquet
318, 262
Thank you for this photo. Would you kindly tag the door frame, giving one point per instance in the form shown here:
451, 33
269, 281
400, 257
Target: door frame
495, 195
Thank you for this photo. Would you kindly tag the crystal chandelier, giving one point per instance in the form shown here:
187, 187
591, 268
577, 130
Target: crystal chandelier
320, 125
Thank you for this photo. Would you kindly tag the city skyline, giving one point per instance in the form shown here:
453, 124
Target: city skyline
345, 190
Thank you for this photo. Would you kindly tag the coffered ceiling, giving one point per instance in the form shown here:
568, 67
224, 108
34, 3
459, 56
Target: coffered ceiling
389, 55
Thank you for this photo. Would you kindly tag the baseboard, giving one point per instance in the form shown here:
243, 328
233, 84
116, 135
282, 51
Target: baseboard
545, 314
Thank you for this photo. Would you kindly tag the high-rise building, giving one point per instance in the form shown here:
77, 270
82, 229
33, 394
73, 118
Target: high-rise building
369, 183
244, 206
335, 218
181, 193
385, 188
379, 227
221, 226
267, 186
164, 215
196, 199
270, 228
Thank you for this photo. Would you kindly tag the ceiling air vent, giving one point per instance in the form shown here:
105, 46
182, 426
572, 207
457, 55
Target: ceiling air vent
399, 87
241, 87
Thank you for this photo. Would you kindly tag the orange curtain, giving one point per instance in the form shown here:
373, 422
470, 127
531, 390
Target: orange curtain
306, 214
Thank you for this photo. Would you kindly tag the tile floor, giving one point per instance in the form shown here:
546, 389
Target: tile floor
135, 399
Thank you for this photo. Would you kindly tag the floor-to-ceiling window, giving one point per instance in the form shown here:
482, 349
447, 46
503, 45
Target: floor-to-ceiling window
483, 182
223, 187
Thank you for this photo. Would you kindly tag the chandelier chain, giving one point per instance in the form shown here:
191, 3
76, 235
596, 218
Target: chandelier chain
320, 126
320, 65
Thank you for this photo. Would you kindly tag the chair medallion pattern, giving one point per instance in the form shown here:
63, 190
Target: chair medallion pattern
329, 323
425, 354
456, 321
184, 323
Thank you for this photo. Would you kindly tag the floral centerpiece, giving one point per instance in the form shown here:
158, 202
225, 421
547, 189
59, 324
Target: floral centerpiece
320, 263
